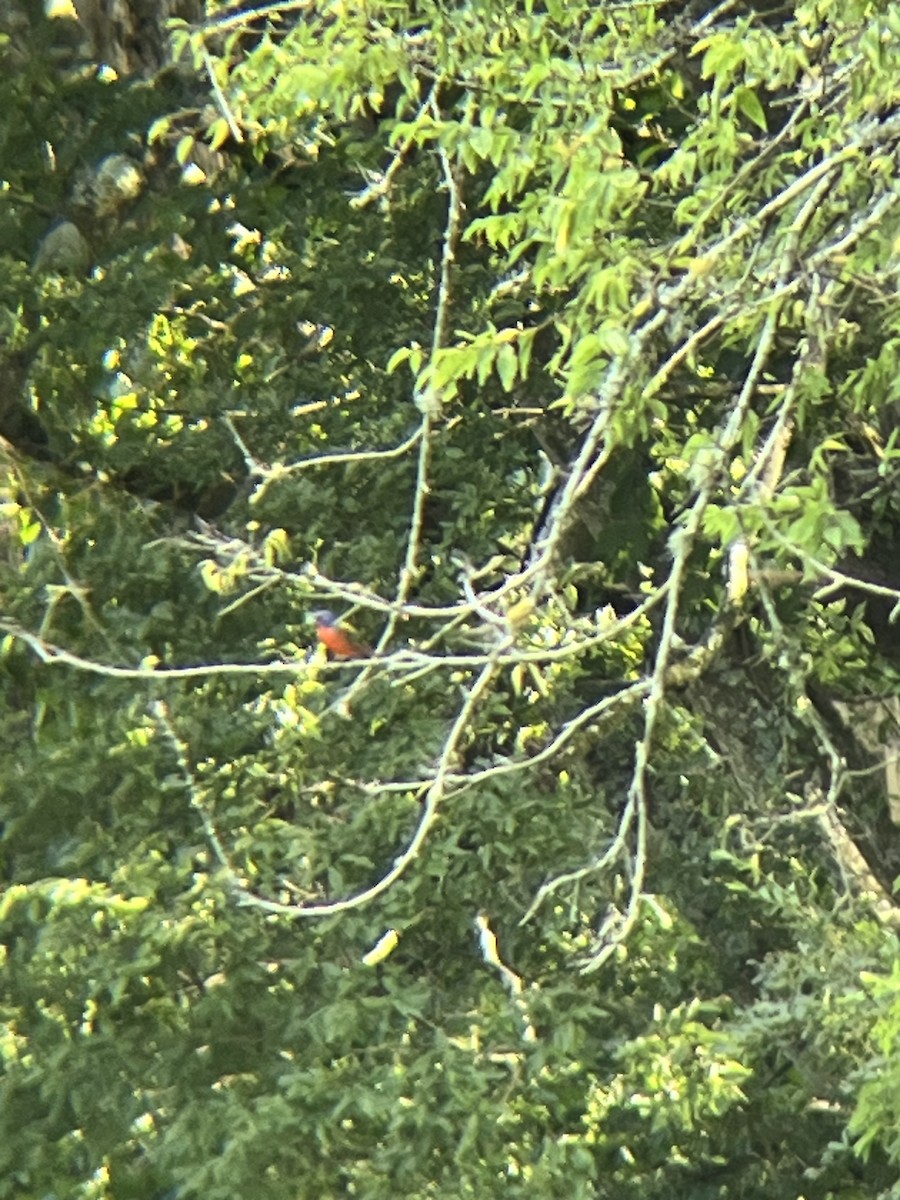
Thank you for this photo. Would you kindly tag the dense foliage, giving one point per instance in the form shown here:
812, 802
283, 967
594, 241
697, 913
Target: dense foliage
555, 346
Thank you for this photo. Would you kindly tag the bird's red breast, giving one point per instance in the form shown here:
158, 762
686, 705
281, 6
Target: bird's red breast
340, 643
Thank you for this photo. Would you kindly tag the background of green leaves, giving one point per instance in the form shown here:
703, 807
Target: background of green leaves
501, 327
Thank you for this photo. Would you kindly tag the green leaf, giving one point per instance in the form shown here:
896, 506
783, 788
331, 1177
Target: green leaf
507, 366
747, 102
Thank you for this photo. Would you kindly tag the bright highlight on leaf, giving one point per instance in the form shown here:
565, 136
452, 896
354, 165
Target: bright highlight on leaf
385, 946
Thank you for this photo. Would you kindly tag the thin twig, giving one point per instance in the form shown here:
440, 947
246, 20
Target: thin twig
233, 127
382, 185
432, 802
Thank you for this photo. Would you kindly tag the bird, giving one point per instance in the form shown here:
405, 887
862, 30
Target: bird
336, 640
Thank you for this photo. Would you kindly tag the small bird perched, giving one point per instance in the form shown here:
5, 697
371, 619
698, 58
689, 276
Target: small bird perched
336, 640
